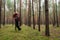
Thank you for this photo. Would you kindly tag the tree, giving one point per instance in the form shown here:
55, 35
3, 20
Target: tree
4, 13
39, 15
57, 15
15, 8
46, 19
14, 5
33, 15
0, 12
29, 13
59, 10
20, 14
25, 17
54, 14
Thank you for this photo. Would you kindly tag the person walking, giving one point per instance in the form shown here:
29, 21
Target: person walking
16, 19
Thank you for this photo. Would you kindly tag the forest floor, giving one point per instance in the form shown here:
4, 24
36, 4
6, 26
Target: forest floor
7, 32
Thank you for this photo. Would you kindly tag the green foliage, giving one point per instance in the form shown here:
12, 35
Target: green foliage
9, 4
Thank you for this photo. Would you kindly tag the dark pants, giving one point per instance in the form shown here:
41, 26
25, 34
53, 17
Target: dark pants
17, 25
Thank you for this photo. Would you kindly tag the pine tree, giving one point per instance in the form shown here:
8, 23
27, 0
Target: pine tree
29, 13
33, 15
20, 14
4, 13
15, 8
39, 15
54, 20
46, 19
57, 15
0, 12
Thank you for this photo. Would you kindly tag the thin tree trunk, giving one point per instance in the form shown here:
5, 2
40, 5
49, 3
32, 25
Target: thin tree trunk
14, 5
39, 15
57, 15
4, 13
0, 12
29, 13
59, 12
15, 8
7, 19
20, 14
26, 14
54, 22
47, 33
33, 15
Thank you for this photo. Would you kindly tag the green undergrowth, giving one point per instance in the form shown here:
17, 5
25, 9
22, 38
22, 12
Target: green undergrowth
8, 32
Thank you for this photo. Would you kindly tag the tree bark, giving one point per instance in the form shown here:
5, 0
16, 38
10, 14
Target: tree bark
53, 14
4, 13
57, 15
29, 13
39, 15
0, 12
20, 14
33, 15
15, 8
47, 33
14, 5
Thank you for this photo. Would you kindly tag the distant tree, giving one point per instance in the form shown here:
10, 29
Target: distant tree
59, 10
54, 22
43, 12
57, 15
25, 13
33, 15
46, 19
10, 6
0, 12
29, 13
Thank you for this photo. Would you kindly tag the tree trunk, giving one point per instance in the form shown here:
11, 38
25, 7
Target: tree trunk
54, 22
20, 14
57, 15
33, 15
39, 15
46, 19
15, 8
4, 13
14, 5
29, 13
25, 14
0, 12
